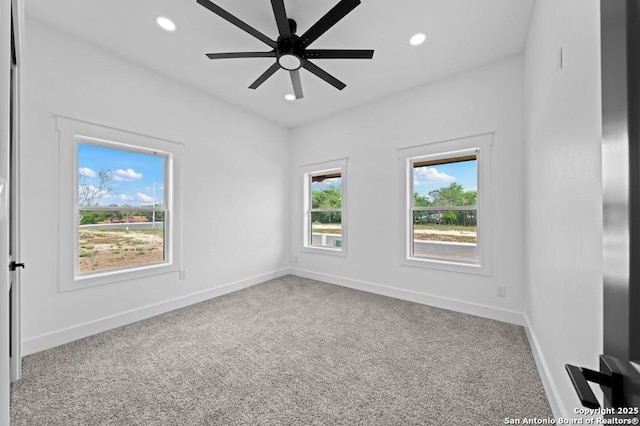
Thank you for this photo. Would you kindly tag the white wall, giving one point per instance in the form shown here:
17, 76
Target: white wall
564, 196
235, 193
488, 99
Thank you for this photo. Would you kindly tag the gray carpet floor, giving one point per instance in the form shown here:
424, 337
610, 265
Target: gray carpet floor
290, 351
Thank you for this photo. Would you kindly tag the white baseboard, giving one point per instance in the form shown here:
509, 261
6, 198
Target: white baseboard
412, 296
66, 335
543, 369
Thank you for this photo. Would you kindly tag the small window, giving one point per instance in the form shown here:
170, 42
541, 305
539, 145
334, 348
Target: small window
324, 209
446, 205
120, 207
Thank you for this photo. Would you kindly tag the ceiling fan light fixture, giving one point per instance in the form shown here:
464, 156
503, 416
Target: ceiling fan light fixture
289, 62
417, 39
165, 23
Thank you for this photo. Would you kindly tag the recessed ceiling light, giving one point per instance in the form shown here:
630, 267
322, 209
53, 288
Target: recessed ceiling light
166, 23
290, 97
417, 39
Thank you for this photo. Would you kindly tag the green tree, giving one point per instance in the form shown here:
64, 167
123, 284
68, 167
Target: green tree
450, 218
453, 195
421, 200
328, 198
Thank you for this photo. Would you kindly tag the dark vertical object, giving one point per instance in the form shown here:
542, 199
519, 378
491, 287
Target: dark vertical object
633, 90
620, 55
621, 177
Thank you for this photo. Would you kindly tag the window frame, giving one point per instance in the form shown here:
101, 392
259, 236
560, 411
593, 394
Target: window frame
308, 173
74, 132
480, 146
165, 209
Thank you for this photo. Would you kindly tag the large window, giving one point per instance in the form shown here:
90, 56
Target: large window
119, 205
444, 208
324, 208
447, 204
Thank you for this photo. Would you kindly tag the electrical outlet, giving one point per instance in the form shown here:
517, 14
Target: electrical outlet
501, 291
183, 274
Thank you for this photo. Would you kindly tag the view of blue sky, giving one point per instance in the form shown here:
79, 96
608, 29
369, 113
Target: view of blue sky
137, 179
429, 178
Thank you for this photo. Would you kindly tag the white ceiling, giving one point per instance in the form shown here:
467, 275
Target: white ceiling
461, 35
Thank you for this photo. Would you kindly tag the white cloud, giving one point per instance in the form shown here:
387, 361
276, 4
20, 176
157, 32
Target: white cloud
144, 197
128, 174
124, 197
85, 171
332, 181
430, 175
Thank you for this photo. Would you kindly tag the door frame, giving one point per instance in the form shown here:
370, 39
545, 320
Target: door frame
5, 85
11, 42
15, 359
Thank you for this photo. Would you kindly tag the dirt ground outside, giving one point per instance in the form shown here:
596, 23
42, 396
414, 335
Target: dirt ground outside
326, 228
446, 233
102, 249
452, 235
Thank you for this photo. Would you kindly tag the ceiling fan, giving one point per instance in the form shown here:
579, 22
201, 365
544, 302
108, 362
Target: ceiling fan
290, 50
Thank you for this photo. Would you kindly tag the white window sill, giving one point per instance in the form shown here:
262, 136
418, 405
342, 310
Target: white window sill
325, 250
118, 275
443, 265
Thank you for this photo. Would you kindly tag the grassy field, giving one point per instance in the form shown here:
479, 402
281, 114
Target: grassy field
102, 249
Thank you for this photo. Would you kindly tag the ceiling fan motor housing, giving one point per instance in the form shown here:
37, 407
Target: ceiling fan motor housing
288, 50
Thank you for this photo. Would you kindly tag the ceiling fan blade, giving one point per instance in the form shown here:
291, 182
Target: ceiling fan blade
265, 75
237, 22
314, 69
331, 18
339, 54
297, 84
232, 55
281, 18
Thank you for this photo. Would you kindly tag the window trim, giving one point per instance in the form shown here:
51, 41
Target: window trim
480, 145
308, 172
72, 132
